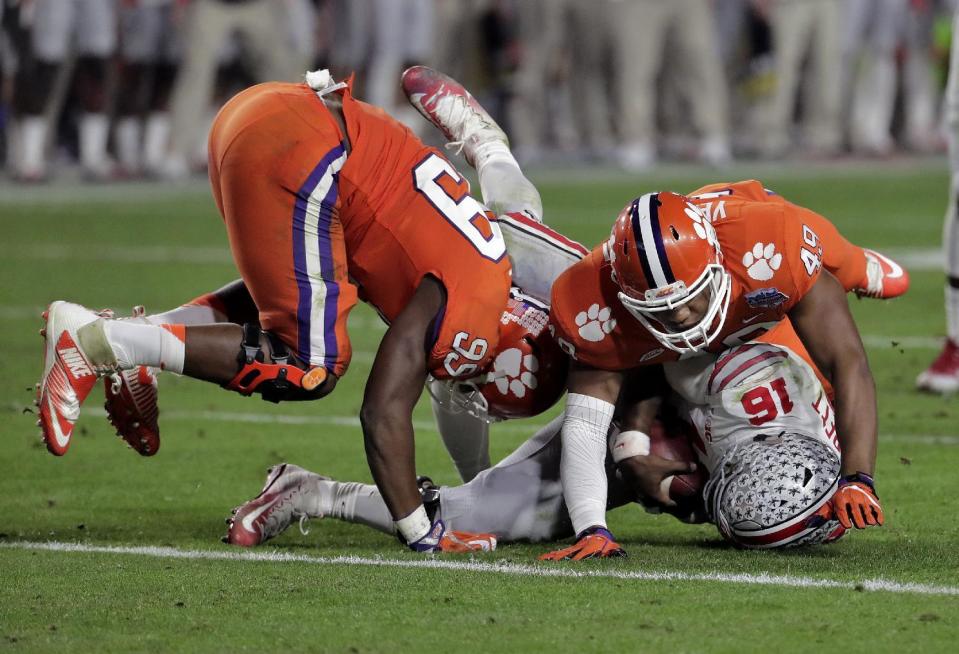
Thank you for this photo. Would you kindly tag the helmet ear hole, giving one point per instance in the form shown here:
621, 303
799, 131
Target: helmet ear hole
674, 232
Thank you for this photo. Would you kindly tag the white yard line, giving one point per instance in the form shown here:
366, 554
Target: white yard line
510, 569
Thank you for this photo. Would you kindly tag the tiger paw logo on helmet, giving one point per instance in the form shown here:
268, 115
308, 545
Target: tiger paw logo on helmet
515, 373
704, 228
595, 323
762, 261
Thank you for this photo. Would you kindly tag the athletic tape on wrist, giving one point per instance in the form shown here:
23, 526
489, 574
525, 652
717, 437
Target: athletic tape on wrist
414, 526
625, 444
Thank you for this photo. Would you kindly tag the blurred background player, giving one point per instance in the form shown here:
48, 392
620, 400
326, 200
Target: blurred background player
801, 29
150, 49
562, 78
263, 26
59, 28
942, 375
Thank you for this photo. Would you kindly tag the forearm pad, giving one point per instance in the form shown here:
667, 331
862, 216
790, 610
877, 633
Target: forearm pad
582, 468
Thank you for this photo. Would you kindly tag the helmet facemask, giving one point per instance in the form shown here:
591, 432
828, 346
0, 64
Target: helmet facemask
663, 254
463, 396
714, 280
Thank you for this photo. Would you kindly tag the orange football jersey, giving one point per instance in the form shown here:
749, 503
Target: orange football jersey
317, 219
770, 250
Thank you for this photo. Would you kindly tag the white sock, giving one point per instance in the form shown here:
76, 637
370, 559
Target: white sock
187, 314
145, 345
33, 143
504, 186
351, 502
128, 143
156, 140
94, 131
952, 313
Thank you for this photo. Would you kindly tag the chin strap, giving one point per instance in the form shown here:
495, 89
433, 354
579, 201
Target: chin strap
282, 379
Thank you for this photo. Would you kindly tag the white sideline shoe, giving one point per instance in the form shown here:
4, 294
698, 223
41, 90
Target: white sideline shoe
942, 375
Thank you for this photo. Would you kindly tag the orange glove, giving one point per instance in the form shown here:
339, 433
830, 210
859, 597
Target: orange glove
854, 503
462, 542
594, 543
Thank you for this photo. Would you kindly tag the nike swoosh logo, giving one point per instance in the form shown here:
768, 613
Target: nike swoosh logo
895, 268
251, 517
748, 320
62, 439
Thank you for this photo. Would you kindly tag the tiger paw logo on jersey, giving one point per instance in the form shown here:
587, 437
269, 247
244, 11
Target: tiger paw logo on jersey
704, 229
762, 261
515, 373
595, 323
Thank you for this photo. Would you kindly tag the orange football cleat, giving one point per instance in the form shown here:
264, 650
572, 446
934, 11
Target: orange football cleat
885, 279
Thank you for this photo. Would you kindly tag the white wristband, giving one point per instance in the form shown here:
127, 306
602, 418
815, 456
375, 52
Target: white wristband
414, 526
625, 444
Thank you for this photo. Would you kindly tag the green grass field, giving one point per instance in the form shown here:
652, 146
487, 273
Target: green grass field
681, 589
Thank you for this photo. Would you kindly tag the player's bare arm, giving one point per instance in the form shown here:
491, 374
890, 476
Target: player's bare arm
826, 327
395, 384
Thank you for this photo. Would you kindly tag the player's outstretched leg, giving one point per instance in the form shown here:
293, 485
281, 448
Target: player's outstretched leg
464, 122
454, 111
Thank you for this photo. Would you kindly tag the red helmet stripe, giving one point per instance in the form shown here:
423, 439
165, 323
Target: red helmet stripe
748, 366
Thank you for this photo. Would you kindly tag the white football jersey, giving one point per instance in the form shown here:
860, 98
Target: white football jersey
752, 389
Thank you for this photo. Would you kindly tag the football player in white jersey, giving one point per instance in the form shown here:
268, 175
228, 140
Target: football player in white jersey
765, 433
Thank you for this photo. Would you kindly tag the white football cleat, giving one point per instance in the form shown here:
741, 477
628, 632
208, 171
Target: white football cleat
131, 405
885, 279
449, 106
942, 375
288, 493
76, 355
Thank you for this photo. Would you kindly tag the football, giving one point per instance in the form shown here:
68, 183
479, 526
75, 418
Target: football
672, 442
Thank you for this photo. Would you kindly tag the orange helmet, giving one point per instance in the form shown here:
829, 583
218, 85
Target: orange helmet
528, 374
664, 253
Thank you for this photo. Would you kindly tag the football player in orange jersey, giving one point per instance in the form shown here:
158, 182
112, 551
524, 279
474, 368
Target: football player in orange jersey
326, 199
684, 275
